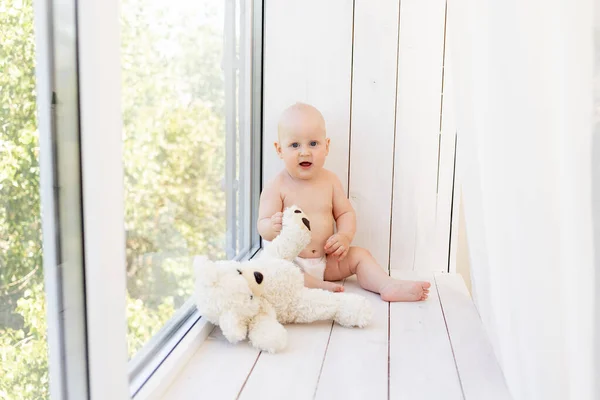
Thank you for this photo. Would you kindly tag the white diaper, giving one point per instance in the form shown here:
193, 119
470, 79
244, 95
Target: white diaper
312, 266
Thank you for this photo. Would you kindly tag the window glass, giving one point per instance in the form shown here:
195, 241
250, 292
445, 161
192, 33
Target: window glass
181, 154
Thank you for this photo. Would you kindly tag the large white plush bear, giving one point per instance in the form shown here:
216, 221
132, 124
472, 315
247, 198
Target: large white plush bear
253, 298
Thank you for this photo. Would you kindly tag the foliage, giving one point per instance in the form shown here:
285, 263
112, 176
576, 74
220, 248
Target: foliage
143, 323
23, 353
20, 236
174, 156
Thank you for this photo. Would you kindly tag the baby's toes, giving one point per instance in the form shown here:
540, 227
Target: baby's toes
339, 289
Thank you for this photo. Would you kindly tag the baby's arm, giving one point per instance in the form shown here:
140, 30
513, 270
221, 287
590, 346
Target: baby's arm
345, 220
343, 212
270, 204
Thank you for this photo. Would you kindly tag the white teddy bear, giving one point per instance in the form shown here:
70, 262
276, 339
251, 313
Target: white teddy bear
253, 298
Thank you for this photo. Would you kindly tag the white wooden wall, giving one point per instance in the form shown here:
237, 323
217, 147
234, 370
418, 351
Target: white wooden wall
375, 70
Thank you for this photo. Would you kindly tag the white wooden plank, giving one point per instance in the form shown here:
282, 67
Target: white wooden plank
417, 128
308, 58
421, 361
373, 116
356, 365
455, 223
479, 371
292, 373
446, 175
218, 370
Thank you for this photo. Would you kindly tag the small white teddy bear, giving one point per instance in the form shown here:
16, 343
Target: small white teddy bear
294, 236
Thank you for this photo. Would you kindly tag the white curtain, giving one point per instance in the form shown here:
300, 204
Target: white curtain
523, 76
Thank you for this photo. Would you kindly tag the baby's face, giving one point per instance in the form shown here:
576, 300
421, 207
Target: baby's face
303, 146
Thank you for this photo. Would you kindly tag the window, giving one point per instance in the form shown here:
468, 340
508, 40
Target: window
191, 113
149, 154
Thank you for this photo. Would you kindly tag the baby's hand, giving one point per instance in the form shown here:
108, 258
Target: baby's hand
276, 220
338, 245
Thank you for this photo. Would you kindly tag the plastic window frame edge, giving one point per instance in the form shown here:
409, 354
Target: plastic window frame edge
98, 47
167, 353
63, 370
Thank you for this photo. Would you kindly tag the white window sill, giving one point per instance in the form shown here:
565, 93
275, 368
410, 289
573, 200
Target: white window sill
174, 362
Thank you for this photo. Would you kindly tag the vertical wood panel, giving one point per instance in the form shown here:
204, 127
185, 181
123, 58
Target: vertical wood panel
373, 119
308, 58
446, 175
450, 96
417, 135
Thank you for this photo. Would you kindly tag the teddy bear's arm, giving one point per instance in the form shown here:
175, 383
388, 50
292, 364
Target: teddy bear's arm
233, 327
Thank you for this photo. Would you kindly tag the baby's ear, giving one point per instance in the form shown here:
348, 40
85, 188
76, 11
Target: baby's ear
277, 148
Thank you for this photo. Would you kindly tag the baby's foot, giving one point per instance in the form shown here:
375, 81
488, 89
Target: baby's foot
398, 290
332, 287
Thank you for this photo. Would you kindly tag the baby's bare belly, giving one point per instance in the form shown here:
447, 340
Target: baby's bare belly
321, 227
315, 199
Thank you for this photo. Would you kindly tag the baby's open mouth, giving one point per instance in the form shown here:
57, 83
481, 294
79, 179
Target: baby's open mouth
305, 164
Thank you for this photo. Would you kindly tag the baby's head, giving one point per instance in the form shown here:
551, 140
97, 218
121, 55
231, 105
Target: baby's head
302, 141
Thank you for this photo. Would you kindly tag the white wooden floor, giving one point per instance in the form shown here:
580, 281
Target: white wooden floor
429, 350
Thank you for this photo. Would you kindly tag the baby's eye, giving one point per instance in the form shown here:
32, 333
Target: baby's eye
295, 145
314, 143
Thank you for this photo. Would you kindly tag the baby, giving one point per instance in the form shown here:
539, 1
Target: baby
303, 146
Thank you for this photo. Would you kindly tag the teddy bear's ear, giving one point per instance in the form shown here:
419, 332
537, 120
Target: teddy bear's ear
206, 271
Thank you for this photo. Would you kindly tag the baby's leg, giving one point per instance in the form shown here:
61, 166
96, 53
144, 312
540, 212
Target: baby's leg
372, 277
313, 268
316, 283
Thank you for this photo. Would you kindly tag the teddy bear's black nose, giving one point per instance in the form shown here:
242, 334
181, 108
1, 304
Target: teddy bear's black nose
306, 222
259, 277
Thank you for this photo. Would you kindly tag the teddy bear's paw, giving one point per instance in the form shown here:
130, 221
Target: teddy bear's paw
233, 336
268, 335
354, 310
233, 327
